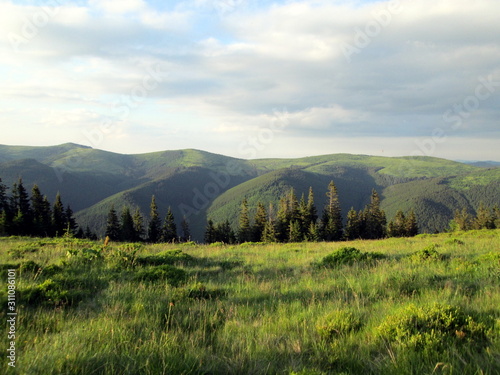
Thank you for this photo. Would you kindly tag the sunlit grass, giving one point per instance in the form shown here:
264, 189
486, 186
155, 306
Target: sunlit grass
253, 308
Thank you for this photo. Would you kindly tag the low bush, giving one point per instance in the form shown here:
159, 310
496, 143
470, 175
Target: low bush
349, 256
338, 323
426, 254
172, 275
432, 328
169, 257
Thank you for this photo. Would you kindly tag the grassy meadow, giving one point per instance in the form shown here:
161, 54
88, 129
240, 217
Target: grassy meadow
423, 305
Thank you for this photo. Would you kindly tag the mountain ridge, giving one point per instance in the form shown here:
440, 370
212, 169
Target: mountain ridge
201, 185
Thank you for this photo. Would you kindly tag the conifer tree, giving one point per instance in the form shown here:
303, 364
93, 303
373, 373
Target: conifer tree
411, 224
397, 227
58, 217
3, 196
269, 233
186, 232
495, 216
21, 209
169, 229
353, 226
224, 233
375, 220
312, 212
138, 221
462, 219
71, 226
484, 219
210, 233
42, 220
113, 225
244, 231
154, 227
259, 223
127, 230
332, 227
294, 232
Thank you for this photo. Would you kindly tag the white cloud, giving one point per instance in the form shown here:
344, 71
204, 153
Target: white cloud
230, 70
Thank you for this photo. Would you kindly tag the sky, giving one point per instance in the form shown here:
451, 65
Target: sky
252, 78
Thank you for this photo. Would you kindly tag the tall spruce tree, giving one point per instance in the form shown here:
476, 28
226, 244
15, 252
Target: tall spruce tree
411, 224
58, 217
185, 230
375, 220
245, 230
331, 221
259, 222
154, 227
113, 225
138, 221
42, 215
397, 226
127, 230
311, 208
484, 218
210, 232
3, 196
22, 222
353, 227
169, 229
71, 226
269, 233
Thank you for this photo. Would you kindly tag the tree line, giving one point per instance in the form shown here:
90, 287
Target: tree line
25, 215
130, 227
485, 218
298, 220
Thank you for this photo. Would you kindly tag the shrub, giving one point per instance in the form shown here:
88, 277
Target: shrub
29, 267
454, 241
62, 290
174, 276
427, 253
348, 255
432, 328
338, 323
169, 257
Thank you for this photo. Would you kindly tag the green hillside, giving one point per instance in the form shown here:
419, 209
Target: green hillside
198, 184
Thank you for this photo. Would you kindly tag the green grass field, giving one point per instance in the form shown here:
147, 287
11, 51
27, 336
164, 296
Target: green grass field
423, 305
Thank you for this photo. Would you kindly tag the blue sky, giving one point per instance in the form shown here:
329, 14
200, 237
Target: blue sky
254, 79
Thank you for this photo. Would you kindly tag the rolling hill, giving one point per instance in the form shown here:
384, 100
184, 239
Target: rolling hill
201, 185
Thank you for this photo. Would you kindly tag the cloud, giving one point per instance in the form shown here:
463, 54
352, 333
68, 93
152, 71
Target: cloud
230, 64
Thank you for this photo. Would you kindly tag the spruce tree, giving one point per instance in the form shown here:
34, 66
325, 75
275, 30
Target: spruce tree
269, 233
244, 231
3, 196
21, 209
462, 219
484, 219
332, 227
71, 226
42, 221
224, 233
58, 217
154, 227
185, 231
353, 226
113, 225
311, 208
259, 223
169, 229
294, 232
411, 224
127, 230
397, 227
210, 233
138, 225
495, 216
375, 218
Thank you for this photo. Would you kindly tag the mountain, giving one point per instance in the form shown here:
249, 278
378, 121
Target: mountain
198, 184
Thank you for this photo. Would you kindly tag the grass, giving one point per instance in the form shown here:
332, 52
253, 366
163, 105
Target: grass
423, 305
